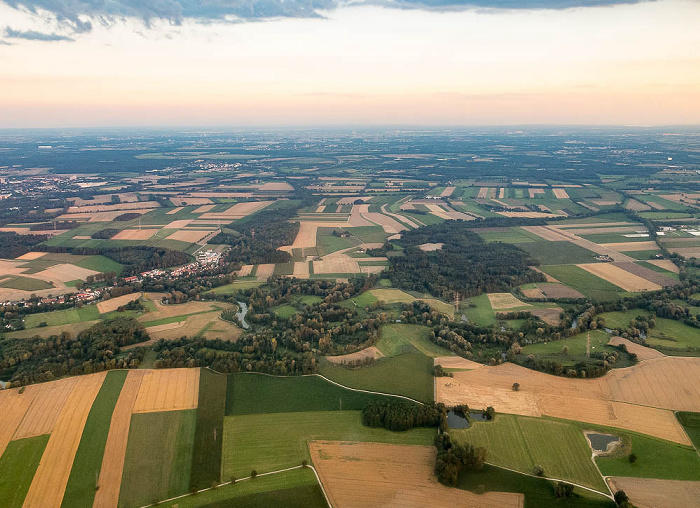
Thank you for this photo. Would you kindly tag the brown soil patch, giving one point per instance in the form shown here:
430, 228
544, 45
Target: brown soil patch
556, 290
430, 247
686, 252
560, 194
533, 293
500, 301
549, 316
400, 218
653, 493
29, 256
389, 224
115, 448
63, 273
306, 237
638, 206
372, 474
483, 192
630, 246
642, 352
601, 231
190, 236
534, 192
447, 213
370, 352
666, 264
135, 234
501, 193
14, 406
114, 303
49, 483
621, 278
48, 400
356, 216
168, 390
640, 398
265, 271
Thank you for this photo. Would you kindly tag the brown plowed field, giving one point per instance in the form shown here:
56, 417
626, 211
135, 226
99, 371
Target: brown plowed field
621, 278
372, 474
168, 390
502, 301
47, 403
14, 406
177, 224
370, 352
555, 290
245, 270
630, 246
265, 271
666, 264
639, 398
638, 206
533, 293
51, 477
203, 209
301, 269
457, 362
135, 234
653, 493
686, 252
549, 316
114, 303
107, 495
642, 352
356, 216
648, 274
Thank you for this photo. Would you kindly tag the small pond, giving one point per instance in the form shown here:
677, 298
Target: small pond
457, 421
601, 442
479, 417
241, 314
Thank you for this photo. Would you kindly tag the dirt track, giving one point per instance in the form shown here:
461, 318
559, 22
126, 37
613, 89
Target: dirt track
372, 474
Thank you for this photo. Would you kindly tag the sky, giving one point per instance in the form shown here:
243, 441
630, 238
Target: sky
266, 63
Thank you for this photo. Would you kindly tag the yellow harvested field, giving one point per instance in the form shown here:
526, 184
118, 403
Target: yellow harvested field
190, 326
14, 406
373, 474
392, 296
275, 187
560, 193
483, 192
440, 306
604, 231
336, 263
107, 496
135, 234
400, 218
320, 208
113, 207
500, 301
204, 209
301, 269
447, 213
554, 234
595, 225
653, 493
180, 201
245, 270
48, 400
168, 390
191, 236
174, 210
356, 218
621, 278
223, 330
687, 252
530, 215
177, 224
49, 482
666, 264
29, 256
177, 309
630, 246
265, 271
641, 398
306, 237
642, 352
535, 192
638, 206
238, 211
113, 304
457, 362
389, 224
100, 216
64, 272
502, 193
370, 352
429, 247
447, 192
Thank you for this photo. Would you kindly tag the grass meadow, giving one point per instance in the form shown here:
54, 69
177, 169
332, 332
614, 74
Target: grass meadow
62, 317
396, 339
18, 465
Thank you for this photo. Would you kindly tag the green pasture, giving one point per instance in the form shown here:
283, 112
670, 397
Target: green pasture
62, 317
576, 345
297, 488
482, 314
396, 339
159, 457
236, 286
668, 334
558, 253
252, 393
508, 235
520, 443
585, 282
368, 234
410, 375
100, 264
209, 429
663, 215
284, 311
25, 283
327, 242
691, 424
642, 254
285, 441
18, 464
80, 489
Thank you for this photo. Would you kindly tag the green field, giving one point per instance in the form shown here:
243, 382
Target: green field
668, 334
558, 253
158, 457
235, 287
642, 254
209, 429
576, 345
251, 393
691, 424
100, 264
18, 465
410, 375
481, 314
368, 234
25, 283
508, 235
585, 282
285, 441
538, 492
327, 242
520, 443
297, 488
396, 339
62, 317
80, 489
284, 311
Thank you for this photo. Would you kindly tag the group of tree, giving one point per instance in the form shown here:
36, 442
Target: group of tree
453, 458
400, 415
13, 245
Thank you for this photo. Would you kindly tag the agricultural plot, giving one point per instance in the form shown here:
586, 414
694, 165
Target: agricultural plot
521, 443
396, 339
575, 348
246, 448
250, 393
158, 457
62, 317
691, 424
390, 296
669, 336
621, 278
372, 474
47, 402
653, 493
18, 464
558, 252
168, 390
584, 281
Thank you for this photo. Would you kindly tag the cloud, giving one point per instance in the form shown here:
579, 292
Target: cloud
78, 15
32, 35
